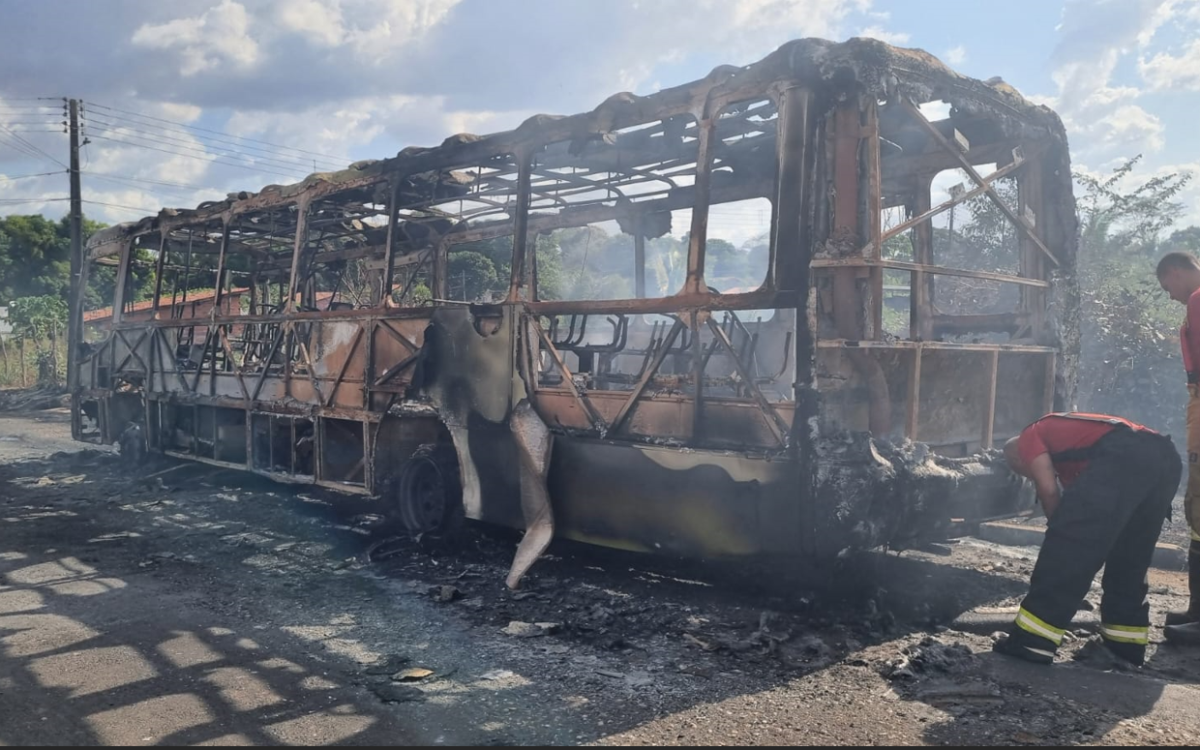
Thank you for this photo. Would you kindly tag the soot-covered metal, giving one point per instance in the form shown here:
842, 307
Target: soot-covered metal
618, 372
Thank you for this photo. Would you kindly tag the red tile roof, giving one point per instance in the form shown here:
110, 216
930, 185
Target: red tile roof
199, 295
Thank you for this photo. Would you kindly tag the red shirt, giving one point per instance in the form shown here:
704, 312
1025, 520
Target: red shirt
1189, 335
1055, 433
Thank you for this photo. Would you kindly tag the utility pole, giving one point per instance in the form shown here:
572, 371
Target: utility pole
75, 299
76, 193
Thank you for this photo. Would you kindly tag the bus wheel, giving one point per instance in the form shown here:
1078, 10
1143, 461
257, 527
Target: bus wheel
428, 492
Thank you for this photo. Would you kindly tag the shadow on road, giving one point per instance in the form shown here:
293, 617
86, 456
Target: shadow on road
100, 647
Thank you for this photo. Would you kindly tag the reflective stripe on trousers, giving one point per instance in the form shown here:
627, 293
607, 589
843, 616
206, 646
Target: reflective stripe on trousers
1034, 625
1137, 635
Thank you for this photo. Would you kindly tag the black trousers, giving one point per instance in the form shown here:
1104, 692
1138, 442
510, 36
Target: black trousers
1111, 516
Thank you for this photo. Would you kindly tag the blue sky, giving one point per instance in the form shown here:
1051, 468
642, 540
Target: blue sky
330, 81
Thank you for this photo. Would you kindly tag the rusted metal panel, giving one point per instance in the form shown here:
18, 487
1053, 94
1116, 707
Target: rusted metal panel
669, 418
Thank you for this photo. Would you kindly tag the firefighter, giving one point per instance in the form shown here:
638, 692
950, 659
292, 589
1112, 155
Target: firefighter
1179, 276
1118, 481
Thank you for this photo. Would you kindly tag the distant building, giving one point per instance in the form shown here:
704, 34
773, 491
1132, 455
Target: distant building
199, 304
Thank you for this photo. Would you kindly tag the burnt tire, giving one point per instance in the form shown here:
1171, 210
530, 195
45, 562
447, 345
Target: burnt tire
425, 495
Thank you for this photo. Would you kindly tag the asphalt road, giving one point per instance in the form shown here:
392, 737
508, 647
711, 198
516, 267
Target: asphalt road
203, 607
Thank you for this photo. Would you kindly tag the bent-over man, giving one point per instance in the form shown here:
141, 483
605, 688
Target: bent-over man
1118, 479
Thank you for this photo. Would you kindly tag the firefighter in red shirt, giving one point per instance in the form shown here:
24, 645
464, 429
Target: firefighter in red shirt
1179, 276
1119, 479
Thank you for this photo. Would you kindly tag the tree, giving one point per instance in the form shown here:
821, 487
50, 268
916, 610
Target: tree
726, 267
40, 319
666, 261
471, 276
758, 254
549, 266
1115, 220
102, 281
35, 257
37, 317
35, 260
1186, 240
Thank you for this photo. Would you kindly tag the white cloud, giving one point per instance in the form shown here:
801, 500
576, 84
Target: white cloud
883, 35
393, 23
1131, 127
320, 22
352, 79
1165, 72
743, 30
956, 55
820, 16
203, 43
334, 129
183, 112
1096, 36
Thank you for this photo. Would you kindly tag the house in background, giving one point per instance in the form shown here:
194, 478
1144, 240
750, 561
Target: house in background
199, 304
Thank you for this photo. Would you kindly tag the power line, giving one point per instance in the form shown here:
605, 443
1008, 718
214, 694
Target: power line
139, 209
337, 159
146, 180
11, 201
26, 143
21, 140
197, 158
209, 148
6, 178
331, 163
294, 171
19, 148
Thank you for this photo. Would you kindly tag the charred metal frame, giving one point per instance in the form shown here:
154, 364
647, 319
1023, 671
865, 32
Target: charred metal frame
831, 135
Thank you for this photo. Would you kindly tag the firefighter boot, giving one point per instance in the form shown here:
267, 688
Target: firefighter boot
1192, 613
1134, 653
1027, 646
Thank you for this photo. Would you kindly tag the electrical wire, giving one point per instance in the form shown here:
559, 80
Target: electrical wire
13, 201
197, 158
146, 181
26, 143
139, 209
18, 149
335, 159
241, 148
6, 178
110, 128
294, 172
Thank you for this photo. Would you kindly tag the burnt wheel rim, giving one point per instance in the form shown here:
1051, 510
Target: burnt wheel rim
423, 495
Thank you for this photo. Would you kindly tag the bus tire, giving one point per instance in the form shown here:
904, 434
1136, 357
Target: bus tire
425, 494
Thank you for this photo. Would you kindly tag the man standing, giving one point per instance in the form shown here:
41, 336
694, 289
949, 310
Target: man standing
1119, 479
1179, 276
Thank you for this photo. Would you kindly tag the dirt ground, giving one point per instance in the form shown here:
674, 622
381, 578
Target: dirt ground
179, 604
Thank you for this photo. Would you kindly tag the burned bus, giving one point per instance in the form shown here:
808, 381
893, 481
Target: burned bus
724, 319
